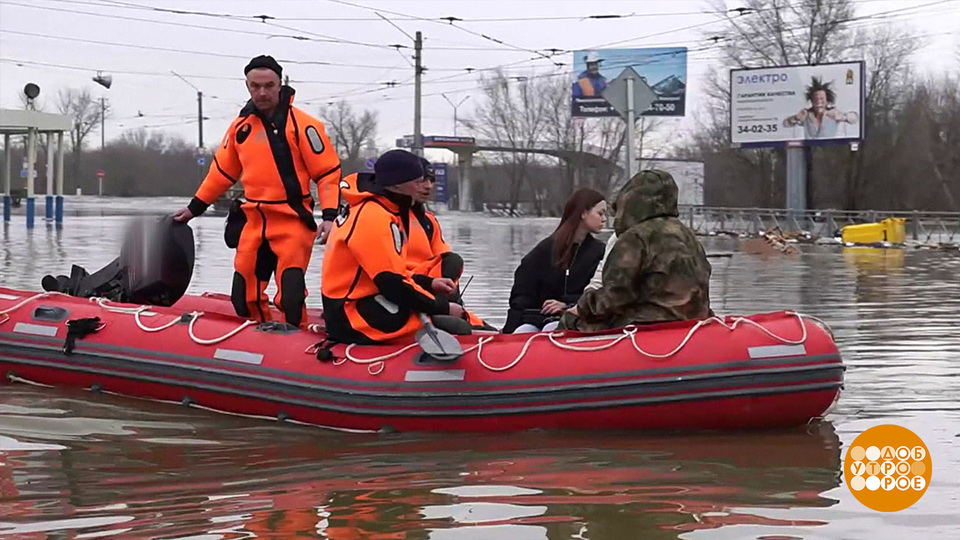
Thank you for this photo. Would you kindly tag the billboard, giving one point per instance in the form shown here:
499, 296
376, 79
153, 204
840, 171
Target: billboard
796, 105
664, 69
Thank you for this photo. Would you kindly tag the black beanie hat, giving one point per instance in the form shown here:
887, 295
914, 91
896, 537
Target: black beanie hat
428, 171
396, 167
264, 61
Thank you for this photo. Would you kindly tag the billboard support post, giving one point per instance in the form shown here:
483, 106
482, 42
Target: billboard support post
630, 123
796, 179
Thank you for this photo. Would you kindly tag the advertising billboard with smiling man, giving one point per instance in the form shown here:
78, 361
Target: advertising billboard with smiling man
664, 68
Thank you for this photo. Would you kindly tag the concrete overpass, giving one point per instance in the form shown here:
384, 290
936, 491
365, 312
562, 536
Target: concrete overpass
466, 147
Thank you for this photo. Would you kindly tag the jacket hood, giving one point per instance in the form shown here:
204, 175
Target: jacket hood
354, 188
358, 187
649, 194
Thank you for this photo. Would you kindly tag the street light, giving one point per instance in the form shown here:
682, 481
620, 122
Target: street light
455, 107
199, 110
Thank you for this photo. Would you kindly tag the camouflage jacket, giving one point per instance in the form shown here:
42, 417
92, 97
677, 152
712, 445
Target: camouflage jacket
657, 270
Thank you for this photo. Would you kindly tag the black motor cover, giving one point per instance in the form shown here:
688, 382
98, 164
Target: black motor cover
157, 258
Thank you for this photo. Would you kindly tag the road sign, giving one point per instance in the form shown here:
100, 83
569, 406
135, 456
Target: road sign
101, 174
201, 161
368, 164
616, 93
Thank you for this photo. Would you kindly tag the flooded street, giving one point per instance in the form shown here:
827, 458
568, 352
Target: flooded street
79, 465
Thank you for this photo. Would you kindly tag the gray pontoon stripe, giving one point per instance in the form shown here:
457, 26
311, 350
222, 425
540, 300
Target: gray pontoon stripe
415, 390
772, 351
177, 377
135, 354
550, 407
239, 356
35, 329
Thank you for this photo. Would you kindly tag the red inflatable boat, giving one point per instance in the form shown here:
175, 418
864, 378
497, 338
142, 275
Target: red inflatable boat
768, 370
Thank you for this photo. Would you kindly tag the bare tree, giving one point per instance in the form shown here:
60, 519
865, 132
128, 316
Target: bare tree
28, 104
349, 131
534, 112
782, 32
85, 113
514, 115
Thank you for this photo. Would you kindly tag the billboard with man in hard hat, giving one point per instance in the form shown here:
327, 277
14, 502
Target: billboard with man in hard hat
664, 68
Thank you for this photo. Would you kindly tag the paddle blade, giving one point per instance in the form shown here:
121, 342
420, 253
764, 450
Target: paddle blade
437, 343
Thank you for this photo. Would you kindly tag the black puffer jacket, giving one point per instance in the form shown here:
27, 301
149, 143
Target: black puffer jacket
537, 280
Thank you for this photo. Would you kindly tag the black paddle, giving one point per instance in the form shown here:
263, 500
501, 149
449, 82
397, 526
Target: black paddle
436, 343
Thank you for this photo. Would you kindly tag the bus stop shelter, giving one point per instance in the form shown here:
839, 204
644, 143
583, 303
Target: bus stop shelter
33, 125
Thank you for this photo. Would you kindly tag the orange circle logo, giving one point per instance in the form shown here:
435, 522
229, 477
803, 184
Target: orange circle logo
887, 468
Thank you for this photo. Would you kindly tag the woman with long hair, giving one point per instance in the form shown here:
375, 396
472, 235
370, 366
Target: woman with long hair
554, 274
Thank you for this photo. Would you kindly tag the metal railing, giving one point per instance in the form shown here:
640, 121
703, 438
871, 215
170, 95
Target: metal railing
921, 226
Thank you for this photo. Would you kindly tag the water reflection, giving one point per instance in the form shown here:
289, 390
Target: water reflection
74, 463
271, 481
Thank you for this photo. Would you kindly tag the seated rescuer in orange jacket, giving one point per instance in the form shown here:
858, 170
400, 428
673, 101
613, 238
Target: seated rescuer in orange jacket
369, 295
427, 252
274, 150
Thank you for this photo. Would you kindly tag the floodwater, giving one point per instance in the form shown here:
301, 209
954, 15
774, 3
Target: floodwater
80, 465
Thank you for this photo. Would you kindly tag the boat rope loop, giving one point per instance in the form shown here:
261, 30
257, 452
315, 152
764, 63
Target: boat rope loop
5, 313
193, 316
375, 365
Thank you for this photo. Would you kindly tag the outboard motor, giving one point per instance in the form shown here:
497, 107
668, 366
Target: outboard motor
157, 256
154, 267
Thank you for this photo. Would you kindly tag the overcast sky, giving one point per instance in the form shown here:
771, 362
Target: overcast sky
63, 43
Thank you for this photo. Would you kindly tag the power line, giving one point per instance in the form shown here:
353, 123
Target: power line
193, 52
318, 37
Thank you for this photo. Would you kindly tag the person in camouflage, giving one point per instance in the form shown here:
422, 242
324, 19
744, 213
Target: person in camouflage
656, 272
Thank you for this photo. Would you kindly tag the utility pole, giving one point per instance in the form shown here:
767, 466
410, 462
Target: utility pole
200, 117
417, 136
103, 113
631, 119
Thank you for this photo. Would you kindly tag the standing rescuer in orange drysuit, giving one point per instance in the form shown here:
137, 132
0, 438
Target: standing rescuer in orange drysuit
369, 294
274, 150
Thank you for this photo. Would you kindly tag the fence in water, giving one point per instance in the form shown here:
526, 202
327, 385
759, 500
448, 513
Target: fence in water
921, 226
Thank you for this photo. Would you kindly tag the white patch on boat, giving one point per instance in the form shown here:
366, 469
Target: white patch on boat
238, 356
8, 297
35, 329
776, 351
434, 375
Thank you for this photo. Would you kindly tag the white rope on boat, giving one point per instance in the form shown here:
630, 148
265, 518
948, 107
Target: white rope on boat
375, 363
194, 316
214, 341
6, 312
145, 328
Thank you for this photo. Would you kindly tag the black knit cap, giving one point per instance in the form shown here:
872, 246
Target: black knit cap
428, 170
396, 167
264, 61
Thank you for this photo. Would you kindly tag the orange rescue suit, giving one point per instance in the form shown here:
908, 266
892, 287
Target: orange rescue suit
427, 250
275, 159
369, 294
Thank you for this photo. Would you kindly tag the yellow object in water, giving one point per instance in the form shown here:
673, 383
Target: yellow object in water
892, 230
874, 259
